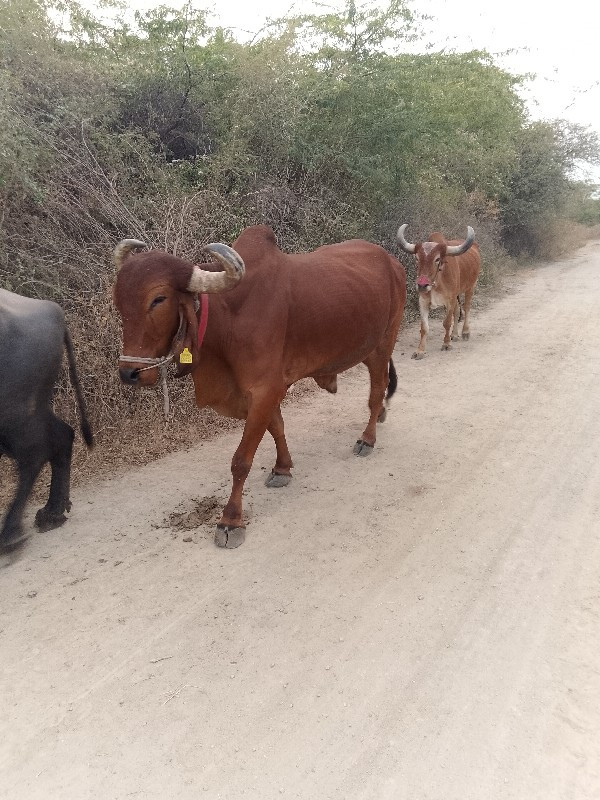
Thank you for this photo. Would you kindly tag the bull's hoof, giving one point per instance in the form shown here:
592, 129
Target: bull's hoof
454, 337
229, 537
362, 448
276, 481
466, 335
446, 347
382, 415
47, 520
418, 355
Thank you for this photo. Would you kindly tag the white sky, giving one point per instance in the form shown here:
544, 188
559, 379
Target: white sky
562, 46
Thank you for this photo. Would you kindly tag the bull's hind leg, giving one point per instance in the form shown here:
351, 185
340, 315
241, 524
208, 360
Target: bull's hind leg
377, 364
52, 515
467, 307
281, 474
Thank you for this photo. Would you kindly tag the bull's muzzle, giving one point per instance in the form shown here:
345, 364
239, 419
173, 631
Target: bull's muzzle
423, 283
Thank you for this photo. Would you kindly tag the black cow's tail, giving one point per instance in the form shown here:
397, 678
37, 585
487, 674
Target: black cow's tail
392, 382
86, 430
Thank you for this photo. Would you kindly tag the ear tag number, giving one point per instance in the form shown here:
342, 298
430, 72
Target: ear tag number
185, 356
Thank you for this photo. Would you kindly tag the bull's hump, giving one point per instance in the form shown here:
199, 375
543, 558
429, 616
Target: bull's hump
256, 235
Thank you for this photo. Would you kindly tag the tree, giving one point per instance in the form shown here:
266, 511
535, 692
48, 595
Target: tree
539, 187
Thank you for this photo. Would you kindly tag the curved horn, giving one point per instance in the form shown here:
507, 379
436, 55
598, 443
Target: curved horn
406, 246
458, 249
207, 282
123, 249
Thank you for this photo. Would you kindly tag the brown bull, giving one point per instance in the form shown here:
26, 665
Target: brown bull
445, 270
286, 317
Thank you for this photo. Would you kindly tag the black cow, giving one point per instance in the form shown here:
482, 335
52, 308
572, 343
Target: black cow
32, 336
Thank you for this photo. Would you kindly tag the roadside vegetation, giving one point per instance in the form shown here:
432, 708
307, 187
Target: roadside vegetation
325, 127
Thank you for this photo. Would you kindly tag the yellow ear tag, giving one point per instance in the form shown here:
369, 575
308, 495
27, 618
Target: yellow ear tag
185, 356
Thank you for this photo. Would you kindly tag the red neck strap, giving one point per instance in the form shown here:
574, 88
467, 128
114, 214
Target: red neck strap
203, 321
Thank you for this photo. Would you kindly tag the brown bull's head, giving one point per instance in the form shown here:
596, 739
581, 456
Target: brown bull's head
431, 255
155, 295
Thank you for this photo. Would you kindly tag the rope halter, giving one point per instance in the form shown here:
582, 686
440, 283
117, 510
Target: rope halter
162, 362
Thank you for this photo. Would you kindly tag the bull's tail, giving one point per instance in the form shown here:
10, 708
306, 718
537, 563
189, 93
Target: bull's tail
86, 430
392, 382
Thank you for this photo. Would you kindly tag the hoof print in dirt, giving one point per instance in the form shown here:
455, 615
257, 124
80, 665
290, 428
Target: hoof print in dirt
229, 537
205, 511
362, 448
275, 481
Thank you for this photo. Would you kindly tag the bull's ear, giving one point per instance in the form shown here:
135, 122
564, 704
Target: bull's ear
190, 339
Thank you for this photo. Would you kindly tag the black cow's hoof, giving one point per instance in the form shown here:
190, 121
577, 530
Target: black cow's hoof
362, 448
48, 520
229, 537
275, 481
12, 541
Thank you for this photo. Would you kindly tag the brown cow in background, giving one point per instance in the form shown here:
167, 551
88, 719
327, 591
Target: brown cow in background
272, 319
445, 270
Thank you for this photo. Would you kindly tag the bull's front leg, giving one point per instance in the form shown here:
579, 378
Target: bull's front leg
467, 308
231, 530
448, 322
456, 315
424, 306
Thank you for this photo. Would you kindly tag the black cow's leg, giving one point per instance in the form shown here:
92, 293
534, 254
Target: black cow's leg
29, 464
61, 436
281, 474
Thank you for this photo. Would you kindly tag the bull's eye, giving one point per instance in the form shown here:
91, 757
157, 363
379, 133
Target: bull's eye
157, 301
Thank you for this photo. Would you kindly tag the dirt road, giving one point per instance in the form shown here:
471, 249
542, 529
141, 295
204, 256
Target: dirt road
423, 624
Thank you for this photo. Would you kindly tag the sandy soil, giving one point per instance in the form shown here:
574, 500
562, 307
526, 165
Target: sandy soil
423, 624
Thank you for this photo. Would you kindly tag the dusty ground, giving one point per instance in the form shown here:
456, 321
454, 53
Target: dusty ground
420, 625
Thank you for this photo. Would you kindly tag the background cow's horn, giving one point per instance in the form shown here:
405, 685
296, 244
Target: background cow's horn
123, 249
457, 249
406, 246
207, 282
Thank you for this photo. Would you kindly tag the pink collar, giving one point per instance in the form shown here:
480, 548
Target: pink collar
203, 321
